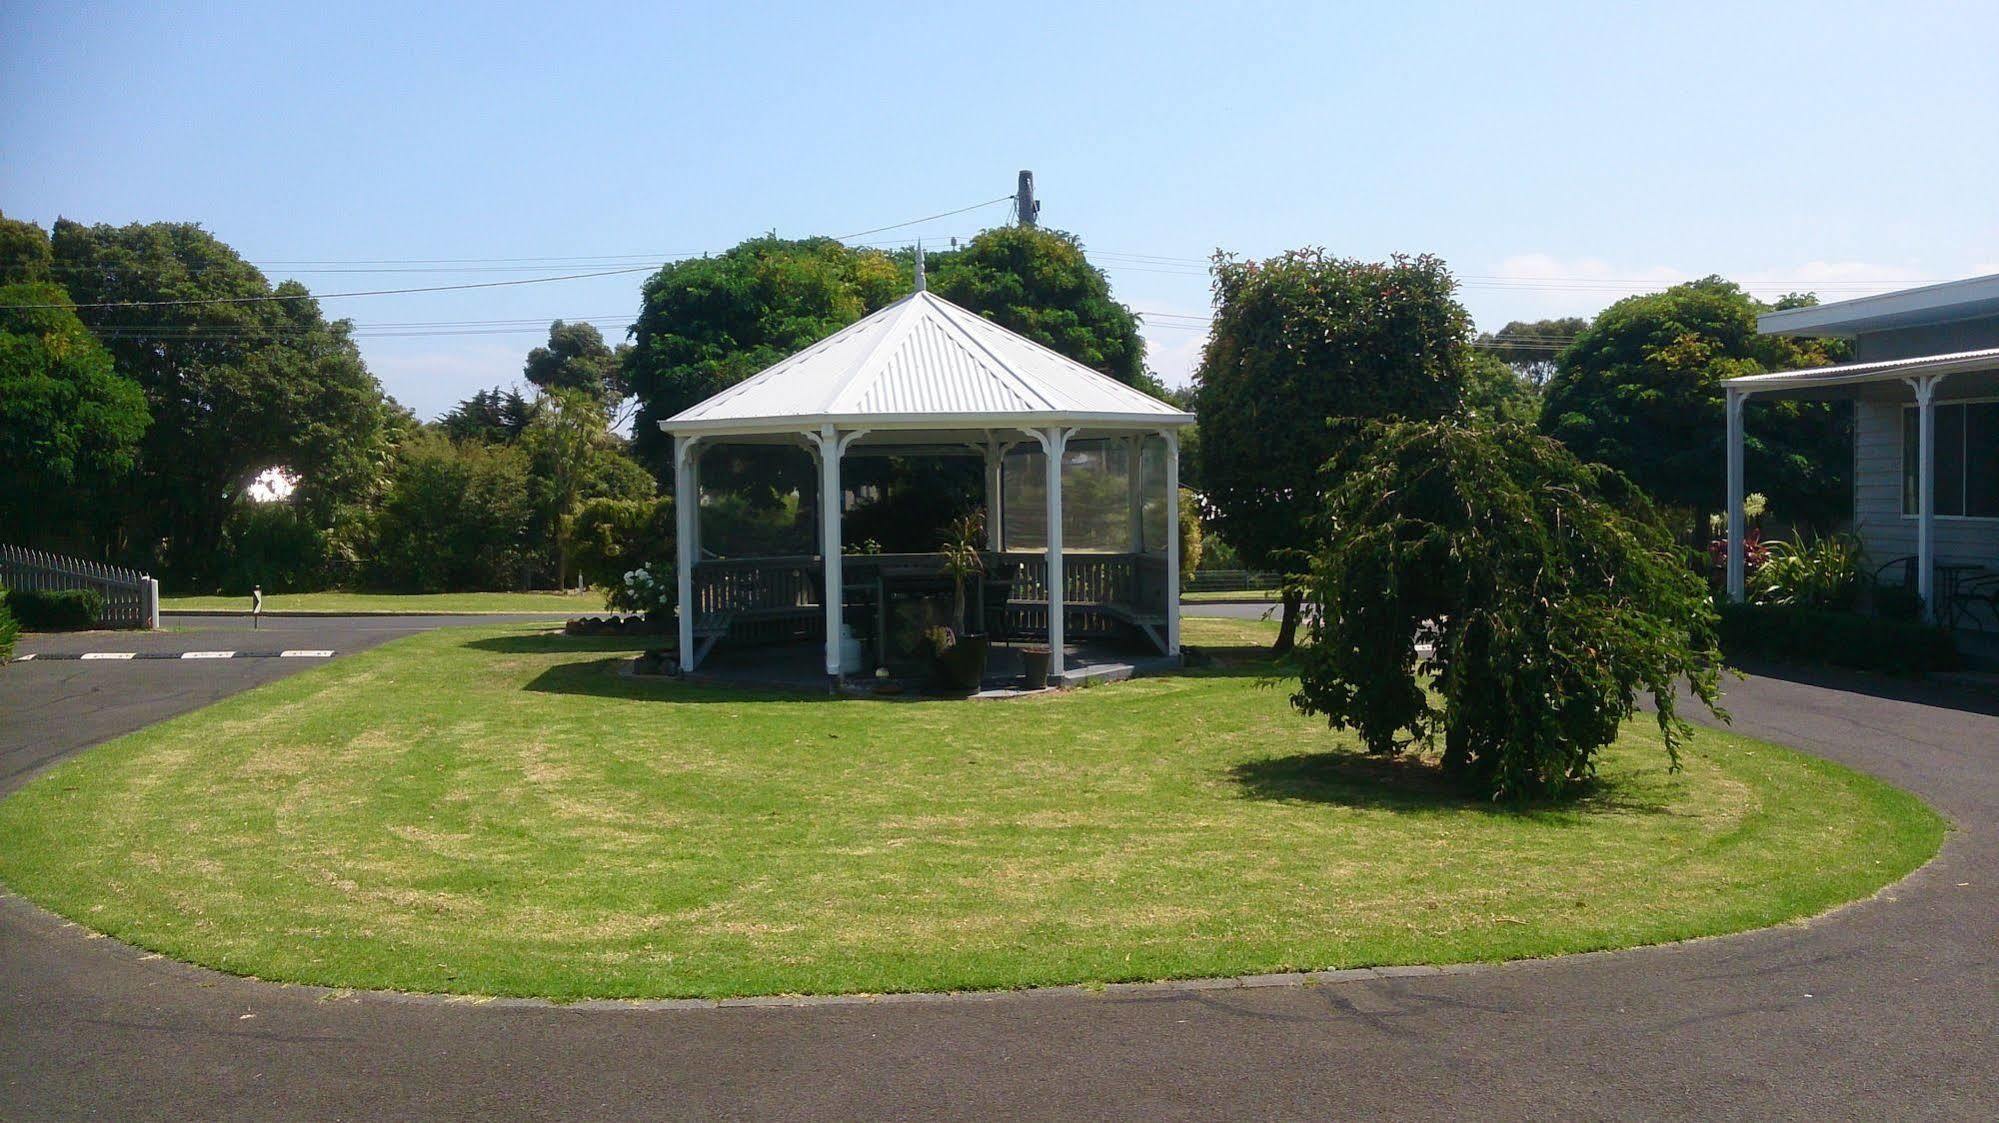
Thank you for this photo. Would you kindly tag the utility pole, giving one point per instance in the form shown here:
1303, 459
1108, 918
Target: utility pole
1023, 199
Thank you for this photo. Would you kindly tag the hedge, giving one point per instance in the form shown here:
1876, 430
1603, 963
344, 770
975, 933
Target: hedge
1840, 639
9, 628
55, 610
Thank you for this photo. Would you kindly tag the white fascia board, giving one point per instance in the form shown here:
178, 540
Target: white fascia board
1952, 300
768, 426
1893, 370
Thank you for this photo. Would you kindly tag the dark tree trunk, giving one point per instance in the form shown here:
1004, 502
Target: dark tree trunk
1287, 630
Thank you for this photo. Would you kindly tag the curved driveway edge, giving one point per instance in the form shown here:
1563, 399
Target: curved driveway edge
1882, 1008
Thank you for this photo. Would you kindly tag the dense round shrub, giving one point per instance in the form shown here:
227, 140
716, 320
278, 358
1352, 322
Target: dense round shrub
1547, 592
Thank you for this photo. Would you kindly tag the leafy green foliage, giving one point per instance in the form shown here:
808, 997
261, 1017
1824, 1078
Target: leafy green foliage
1192, 544
272, 546
1298, 340
709, 322
1801, 634
577, 358
1530, 347
24, 252
488, 415
10, 628
573, 457
1548, 590
235, 386
611, 537
1810, 573
1640, 391
55, 610
70, 425
1037, 282
1495, 391
455, 517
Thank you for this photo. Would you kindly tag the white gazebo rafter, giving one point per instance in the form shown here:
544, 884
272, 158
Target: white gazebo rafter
923, 375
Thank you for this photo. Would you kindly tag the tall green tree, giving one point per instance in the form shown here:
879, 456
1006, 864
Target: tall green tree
24, 252
70, 425
707, 323
1640, 390
577, 358
1300, 341
1038, 283
454, 516
1530, 346
574, 457
488, 415
240, 377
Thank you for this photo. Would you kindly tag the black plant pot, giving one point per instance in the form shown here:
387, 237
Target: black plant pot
1034, 665
960, 668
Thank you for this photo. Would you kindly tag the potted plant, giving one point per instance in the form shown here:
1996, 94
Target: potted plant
960, 652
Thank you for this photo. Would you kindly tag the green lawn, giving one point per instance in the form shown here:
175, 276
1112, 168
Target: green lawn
415, 603
496, 811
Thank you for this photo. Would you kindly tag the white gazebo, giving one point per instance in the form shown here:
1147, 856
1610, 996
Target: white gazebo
924, 377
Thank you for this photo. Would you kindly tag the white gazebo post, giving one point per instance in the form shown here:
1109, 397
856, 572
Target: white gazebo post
995, 461
686, 538
1135, 492
1735, 521
1055, 444
1172, 545
1926, 490
831, 445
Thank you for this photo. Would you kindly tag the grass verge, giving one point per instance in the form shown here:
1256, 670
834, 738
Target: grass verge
591, 602
497, 811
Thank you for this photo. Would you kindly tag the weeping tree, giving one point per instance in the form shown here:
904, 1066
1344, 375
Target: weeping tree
1549, 592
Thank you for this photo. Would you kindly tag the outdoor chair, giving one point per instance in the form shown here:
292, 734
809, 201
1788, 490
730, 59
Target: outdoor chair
996, 591
1976, 601
1906, 575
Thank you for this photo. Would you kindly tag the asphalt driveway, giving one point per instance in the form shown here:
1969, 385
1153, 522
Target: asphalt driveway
1882, 1009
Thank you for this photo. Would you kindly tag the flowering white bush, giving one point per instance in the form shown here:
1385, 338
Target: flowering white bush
649, 589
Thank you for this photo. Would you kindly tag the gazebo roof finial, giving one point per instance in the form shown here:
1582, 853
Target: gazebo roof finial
919, 265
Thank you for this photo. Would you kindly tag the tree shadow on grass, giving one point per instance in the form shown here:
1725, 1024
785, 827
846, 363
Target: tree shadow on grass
1214, 660
1410, 783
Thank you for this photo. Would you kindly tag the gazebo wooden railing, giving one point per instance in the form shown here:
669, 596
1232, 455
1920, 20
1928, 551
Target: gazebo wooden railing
779, 599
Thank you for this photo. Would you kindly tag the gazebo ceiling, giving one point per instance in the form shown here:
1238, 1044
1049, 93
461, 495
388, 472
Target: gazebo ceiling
924, 365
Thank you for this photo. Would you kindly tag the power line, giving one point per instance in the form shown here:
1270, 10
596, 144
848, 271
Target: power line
916, 221
270, 298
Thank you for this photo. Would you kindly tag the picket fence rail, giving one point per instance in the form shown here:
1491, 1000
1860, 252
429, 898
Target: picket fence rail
131, 598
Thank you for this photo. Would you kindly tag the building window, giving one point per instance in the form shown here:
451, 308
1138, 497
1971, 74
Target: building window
1967, 460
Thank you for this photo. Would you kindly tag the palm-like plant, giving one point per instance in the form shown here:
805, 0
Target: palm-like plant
963, 560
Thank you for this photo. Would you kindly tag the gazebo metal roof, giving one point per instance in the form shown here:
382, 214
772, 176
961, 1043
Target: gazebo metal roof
924, 363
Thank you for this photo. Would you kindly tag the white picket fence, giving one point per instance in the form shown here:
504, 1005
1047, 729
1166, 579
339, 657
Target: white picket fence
131, 599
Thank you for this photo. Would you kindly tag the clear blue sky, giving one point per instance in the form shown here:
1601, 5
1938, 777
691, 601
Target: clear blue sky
1556, 155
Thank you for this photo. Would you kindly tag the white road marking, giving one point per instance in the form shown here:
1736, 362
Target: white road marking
24, 658
208, 655
109, 654
305, 655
